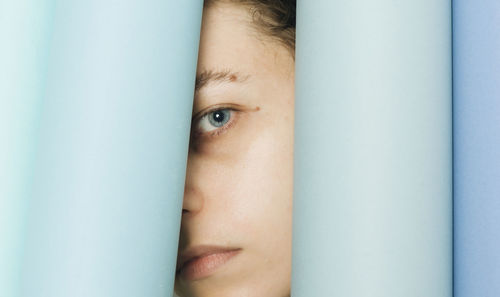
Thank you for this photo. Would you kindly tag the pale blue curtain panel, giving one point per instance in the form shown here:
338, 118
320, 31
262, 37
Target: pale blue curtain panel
373, 163
476, 72
104, 90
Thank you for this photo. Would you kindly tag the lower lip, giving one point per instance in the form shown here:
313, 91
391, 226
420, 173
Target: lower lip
204, 266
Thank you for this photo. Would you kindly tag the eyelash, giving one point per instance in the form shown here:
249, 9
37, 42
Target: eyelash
217, 131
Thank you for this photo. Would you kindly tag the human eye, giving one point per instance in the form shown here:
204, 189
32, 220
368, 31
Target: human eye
214, 121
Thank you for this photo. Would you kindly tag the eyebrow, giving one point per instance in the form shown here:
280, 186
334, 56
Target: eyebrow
210, 76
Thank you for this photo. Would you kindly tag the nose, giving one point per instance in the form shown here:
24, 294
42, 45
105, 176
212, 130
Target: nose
193, 200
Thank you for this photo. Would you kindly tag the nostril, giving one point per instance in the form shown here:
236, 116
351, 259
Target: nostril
192, 201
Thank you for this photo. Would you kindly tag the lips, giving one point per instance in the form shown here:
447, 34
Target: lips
196, 258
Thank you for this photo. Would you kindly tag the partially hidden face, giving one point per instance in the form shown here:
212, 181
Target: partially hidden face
236, 227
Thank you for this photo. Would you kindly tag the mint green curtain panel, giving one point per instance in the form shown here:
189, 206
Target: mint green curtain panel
373, 149
24, 34
96, 101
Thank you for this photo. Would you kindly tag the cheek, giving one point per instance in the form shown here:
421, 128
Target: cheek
262, 193
249, 176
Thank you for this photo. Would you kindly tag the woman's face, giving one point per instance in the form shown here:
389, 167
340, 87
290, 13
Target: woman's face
238, 191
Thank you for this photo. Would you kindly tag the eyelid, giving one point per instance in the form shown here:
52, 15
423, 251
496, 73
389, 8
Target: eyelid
215, 107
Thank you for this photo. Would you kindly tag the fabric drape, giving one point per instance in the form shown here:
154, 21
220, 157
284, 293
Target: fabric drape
24, 35
106, 90
476, 92
373, 149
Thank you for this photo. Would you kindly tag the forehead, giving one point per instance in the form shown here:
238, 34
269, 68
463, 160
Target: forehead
229, 40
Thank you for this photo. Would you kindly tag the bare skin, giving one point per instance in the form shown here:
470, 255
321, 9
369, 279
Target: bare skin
239, 178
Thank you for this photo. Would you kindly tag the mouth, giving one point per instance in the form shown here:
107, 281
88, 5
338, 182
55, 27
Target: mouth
201, 261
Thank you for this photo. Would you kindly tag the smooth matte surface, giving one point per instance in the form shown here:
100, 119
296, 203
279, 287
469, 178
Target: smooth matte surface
476, 82
109, 180
373, 149
24, 34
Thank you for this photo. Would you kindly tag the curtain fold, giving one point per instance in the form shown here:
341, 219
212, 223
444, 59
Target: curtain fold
373, 149
476, 80
24, 35
108, 179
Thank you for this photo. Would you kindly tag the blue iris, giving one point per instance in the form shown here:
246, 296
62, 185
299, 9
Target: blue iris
219, 118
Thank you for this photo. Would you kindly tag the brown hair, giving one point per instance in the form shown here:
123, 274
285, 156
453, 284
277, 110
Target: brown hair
275, 18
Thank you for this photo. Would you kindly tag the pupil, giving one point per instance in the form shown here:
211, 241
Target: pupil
218, 116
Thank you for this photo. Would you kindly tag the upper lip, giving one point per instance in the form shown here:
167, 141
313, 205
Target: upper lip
198, 251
